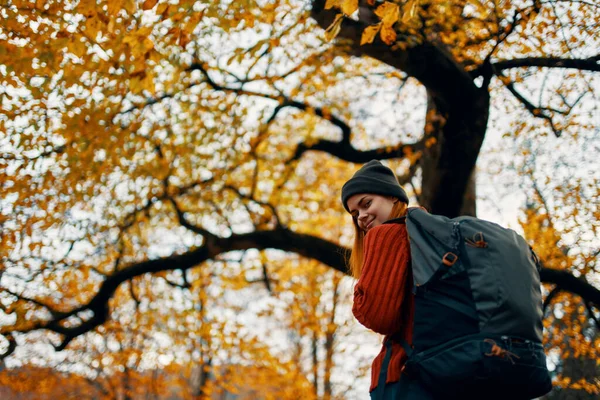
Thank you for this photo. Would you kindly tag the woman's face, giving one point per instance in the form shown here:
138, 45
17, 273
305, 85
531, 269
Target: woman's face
370, 210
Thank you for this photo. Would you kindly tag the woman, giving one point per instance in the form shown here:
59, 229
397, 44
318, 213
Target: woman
380, 260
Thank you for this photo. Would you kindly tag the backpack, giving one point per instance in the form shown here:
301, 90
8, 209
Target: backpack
478, 310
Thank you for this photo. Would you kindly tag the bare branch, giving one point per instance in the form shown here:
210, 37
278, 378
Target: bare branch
261, 203
12, 345
56, 150
134, 295
342, 149
184, 222
585, 64
429, 62
537, 112
55, 313
265, 279
588, 307
281, 238
345, 151
568, 282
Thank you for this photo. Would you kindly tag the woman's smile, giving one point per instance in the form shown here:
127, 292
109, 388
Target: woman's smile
370, 210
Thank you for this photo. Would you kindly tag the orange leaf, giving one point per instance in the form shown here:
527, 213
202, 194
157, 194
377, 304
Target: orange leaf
92, 26
332, 3
87, 7
113, 8
78, 48
411, 10
149, 4
369, 33
388, 12
333, 29
349, 6
130, 6
388, 34
162, 8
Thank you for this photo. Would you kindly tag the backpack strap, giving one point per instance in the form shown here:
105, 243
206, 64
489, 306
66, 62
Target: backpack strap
380, 390
396, 338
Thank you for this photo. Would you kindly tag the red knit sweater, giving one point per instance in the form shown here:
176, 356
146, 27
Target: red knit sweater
383, 300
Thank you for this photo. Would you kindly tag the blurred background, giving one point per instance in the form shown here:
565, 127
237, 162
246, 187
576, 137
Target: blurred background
170, 174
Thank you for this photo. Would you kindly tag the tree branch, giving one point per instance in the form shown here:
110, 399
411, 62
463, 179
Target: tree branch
590, 311
430, 63
345, 151
54, 312
585, 64
564, 280
56, 150
281, 238
342, 149
537, 112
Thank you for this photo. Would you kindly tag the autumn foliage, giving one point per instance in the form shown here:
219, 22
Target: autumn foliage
170, 175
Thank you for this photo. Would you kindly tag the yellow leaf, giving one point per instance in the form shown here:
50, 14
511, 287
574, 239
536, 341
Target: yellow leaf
388, 34
162, 7
332, 3
113, 7
369, 34
194, 19
388, 12
92, 27
333, 29
349, 6
148, 83
149, 4
411, 10
129, 6
78, 48
87, 7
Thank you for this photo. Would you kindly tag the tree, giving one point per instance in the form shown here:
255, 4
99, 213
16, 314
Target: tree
315, 304
144, 136
553, 222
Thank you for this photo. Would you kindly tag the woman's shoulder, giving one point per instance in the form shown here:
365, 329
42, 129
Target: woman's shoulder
386, 239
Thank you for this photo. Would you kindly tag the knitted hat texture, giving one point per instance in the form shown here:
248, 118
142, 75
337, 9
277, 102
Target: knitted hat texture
373, 178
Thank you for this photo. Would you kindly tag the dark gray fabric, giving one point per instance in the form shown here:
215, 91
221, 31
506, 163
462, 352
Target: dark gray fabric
431, 236
521, 374
444, 311
478, 322
505, 281
503, 275
373, 178
405, 389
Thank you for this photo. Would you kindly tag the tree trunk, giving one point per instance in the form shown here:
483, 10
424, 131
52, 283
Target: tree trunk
455, 135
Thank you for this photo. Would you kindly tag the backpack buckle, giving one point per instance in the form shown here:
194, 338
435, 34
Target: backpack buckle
477, 241
449, 259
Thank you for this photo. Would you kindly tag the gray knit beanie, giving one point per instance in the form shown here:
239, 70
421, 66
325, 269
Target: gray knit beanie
373, 178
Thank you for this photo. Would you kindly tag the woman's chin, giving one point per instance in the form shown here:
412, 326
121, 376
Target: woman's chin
371, 226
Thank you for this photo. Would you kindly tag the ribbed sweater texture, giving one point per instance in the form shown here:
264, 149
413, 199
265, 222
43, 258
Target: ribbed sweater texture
383, 299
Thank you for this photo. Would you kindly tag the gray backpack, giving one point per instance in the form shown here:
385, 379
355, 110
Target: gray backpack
478, 310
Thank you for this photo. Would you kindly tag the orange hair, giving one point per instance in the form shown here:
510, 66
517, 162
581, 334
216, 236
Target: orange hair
355, 260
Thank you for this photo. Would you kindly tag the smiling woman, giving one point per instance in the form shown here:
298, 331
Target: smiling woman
372, 196
370, 210
380, 260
